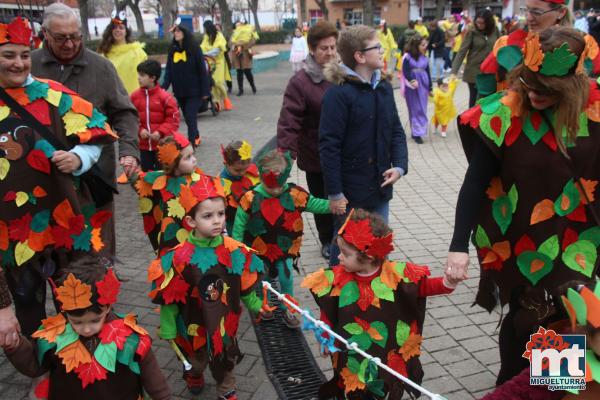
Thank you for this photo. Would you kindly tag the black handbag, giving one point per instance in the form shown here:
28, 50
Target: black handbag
101, 188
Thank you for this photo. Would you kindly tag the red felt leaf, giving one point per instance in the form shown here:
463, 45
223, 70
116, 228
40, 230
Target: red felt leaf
381, 247
496, 125
270, 179
524, 244
63, 213
149, 223
536, 120
366, 295
570, 236
289, 219
143, 346
341, 276
217, 342
183, 254
223, 255
62, 238
59, 87
578, 214
115, 331
594, 95
358, 233
100, 218
232, 321
395, 362
513, 131
76, 224
489, 65
550, 140
40, 109
176, 290
363, 324
492, 265
18, 229
19, 31
90, 372
271, 209
166, 195
108, 288
517, 38
273, 252
471, 117
415, 272
185, 345
38, 161
10, 196
42, 389
204, 188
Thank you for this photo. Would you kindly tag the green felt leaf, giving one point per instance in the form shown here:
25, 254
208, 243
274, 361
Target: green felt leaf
8, 256
513, 196
583, 130
363, 340
509, 57
402, 332
65, 104
284, 243
256, 265
558, 62
286, 201
591, 235
40, 221
329, 276
45, 146
150, 177
238, 260
550, 247
256, 226
42, 347
126, 356
581, 257
376, 387
256, 202
381, 290
593, 363
82, 241
363, 370
570, 196
353, 328
174, 185
36, 90
533, 134
383, 331
204, 258
534, 265
486, 123
486, 84
579, 305
66, 338
502, 212
171, 231
490, 104
167, 260
349, 294
106, 355
353, 365
372, 371
98, 119
481, 238
88, 211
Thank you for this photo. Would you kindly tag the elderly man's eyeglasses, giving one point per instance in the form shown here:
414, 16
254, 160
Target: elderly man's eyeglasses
534, 12
62, 39
378, 47
539, 92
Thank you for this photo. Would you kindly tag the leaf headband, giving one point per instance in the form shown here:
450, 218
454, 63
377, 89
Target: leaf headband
244, 152
207, 187
18, 31
360, 235
273, 179
76, 295
558, 61
583, 306
169, 152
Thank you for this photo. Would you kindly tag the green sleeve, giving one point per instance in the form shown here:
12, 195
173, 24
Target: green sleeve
168, 324
239, 225
252, 302
316, 205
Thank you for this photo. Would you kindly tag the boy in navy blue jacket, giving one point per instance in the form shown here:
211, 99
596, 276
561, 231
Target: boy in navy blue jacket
362, 144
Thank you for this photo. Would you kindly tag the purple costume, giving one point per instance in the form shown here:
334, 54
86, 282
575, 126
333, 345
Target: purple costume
416, 99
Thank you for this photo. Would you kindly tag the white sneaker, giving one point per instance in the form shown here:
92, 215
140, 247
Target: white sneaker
443, 134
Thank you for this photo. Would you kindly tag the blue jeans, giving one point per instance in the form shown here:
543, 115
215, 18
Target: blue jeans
437, 69
338, 220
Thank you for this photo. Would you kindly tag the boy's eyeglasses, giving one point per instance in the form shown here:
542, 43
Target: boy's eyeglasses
535, 13
378, 47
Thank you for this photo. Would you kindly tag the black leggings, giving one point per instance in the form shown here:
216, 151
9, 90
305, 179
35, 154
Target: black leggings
249, 76
324, 222
472, 94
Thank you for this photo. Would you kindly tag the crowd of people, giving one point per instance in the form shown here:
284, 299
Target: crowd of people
528, 200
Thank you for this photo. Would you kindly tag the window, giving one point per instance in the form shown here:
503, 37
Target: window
352, 16
315, 16
377, 15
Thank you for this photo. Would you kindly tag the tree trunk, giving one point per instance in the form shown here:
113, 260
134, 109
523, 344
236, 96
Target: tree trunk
83, 14
225, 18
303, 16
169, 14
139, 21
323, 7
439, 9
253, 5
367, 12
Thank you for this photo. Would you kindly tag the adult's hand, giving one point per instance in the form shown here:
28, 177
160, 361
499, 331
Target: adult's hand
144, 134
9, 328
390, 177
66, 162
456, 265
338, 207
155, 136
129, 164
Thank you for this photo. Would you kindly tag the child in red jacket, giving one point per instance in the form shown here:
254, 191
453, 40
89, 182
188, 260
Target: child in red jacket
158, 110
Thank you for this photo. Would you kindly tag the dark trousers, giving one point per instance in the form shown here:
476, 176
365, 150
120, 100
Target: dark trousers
148, 160
447, 61
324, 222
240, 79
190, 107
472, 94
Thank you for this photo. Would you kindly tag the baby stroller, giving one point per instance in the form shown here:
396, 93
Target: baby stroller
209, 63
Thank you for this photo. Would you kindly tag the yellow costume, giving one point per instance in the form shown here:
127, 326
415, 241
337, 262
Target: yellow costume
125, 58
220, 73
243, 38
389, 45
422, 30
443, 104
457, 42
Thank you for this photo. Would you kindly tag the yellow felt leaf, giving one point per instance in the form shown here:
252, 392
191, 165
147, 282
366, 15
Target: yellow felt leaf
53, 97
222, 326
4, 111
145, 205
226, 185
23, 253
75, 123
168, 276
21, 198
192, 330
182, 235
4, 168
245, 151
175, 209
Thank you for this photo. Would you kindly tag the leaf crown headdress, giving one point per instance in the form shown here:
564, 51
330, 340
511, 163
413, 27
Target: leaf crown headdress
359, 233
244, 152
73, 294
273, 179
18, 31
169, 152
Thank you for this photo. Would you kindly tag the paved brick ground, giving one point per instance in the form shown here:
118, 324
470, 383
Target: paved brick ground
459, 353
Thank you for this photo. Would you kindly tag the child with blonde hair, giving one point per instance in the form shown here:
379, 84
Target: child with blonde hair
443, 105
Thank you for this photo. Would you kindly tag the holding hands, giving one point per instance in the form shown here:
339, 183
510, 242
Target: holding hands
338, 207
10, 330
456, 268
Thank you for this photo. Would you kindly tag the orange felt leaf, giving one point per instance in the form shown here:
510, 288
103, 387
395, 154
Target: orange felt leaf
570, 311
412, 346
37, 241
230, 243
74, 354
143, 188
97, 243
73, 294
199, 341
542, 211
130, 321
532, 51
300, 197
490, 257
513, 101
335, 291
52, 327
248, 279
589, 187
3, 37
536, 265
3, 236
593, 111
500, 43
502, 249
38, 192
84, 136
565, 202
260, 246
81, 106
316, 282
167, 153
246, 200
157, 213
186, 198
155, 270
295, 248
376, 302
63, 213
375, 335
19, 95
593, 306
592, 46
389, 276
160, 182
495, 190
351, 381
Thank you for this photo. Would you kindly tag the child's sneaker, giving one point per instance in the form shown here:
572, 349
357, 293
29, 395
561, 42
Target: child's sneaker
228, 396
267, 316
443, 134
291, 320
195, 384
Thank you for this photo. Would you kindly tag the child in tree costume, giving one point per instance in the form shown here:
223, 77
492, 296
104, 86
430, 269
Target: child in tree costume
238, 176
378, 304
269, 220
165, 194
536, 225
90, 351
46, 211
199, 285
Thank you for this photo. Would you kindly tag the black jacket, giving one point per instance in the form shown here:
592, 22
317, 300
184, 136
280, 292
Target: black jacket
190, 77
437, 41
